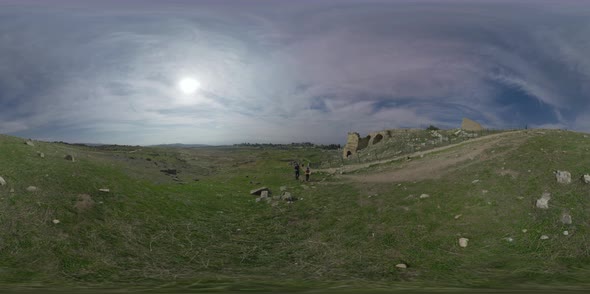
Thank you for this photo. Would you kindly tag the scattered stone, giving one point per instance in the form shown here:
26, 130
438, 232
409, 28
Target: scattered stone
458, 216
258, 199
565, 233
474, 181
423, 196
544, 237
56, 221
401, 265
264, 194
509, 239
70, 157
2, 181
258, 191
32, 188
105, 190
287, 196
41, 154
276, 197
463, 242
543, 202
566, 219
484, 191
30, 143
563, 177
283, 188
586, 179
524, 230
11, 190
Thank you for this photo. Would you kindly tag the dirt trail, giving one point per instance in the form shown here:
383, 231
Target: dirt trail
436, 165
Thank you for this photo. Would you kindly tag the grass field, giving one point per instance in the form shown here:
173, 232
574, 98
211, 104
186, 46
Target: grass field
201, 230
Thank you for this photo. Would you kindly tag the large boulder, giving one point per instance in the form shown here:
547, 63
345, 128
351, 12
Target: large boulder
470, 125
287, 196
563, 177
258, 191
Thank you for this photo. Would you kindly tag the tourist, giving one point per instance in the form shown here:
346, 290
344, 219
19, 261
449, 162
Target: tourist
296, 171
307, 173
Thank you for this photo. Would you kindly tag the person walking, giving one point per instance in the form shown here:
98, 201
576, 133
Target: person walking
296, 171
307, 173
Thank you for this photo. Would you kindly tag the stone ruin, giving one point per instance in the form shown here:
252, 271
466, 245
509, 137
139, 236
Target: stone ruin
470, 125
355, 142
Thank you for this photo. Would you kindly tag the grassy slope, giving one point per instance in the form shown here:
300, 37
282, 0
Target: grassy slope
211, 233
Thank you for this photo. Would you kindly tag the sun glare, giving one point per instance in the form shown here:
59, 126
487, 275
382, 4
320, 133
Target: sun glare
188, 85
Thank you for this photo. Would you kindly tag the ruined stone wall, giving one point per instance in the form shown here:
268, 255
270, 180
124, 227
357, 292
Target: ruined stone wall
355, 143
352, 144
470, 125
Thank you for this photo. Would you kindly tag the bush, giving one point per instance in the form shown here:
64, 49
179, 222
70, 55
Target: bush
432, 128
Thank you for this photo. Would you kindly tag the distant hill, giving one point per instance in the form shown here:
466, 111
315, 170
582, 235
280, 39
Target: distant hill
179, 145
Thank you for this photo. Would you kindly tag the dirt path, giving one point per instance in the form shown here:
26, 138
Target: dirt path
433, 167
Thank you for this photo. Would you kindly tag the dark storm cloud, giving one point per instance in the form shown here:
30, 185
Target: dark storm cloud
288, 71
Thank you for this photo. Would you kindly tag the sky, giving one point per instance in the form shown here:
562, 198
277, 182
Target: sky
288, 71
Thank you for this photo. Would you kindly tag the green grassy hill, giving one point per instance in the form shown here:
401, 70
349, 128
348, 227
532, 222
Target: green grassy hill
201, 229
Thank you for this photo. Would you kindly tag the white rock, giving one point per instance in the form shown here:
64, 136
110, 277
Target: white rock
484, 191
586, 179
474, 181
458, 216
565, 233
524, 230
105, 190
30, 143
401, 265
423, 196
543, 202
463, 242
544, 237
264, 194
56, 221
2, 181
563, 177
509, 239
32, 188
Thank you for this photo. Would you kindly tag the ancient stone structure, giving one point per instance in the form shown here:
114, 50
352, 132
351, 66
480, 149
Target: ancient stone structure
470, 125
355, 142
352, 144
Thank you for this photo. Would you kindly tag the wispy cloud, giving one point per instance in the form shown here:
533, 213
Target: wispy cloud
281, 71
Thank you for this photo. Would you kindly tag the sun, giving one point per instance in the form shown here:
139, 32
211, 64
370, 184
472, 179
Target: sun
189, 85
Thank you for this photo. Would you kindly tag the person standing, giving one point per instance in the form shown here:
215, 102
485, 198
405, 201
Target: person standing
296, 171
307, 173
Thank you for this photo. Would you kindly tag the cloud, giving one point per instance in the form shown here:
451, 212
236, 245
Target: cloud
287, 72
